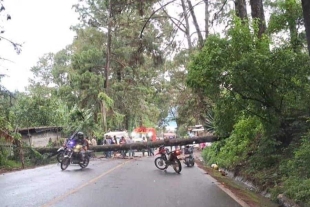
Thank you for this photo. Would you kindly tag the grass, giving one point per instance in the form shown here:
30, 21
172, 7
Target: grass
10, 164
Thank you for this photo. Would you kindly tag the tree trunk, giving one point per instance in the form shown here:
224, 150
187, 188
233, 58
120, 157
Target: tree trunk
29, 136
187, 29
104, 116
241, 11
108, 50
140, 145
292, 25
127, 120
294, 36
306, 14
257, 9
206, 18
191, 9
20, 152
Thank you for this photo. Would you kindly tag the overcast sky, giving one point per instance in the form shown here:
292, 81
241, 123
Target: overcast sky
42, 26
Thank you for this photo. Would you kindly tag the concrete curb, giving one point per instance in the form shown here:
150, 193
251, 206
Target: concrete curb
282, 199
222, 187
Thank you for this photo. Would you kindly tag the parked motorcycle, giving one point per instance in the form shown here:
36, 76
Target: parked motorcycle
168, 158
189, 159
72, 155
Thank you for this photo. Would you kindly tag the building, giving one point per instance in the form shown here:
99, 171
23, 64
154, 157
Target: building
40, 136
197, 131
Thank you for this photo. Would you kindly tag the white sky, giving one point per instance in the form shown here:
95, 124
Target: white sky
42, 26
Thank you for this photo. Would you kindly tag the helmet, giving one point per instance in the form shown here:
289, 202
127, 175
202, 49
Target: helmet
80, 135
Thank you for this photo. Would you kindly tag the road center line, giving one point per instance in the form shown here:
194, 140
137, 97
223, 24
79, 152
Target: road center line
59, 198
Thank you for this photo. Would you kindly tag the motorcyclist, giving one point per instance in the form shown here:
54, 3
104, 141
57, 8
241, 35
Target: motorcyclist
82, 141
188, 150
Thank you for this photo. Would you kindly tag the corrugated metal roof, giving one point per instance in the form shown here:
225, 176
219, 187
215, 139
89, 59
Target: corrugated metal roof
32, 130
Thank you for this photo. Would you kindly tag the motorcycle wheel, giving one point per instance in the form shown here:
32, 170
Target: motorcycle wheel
177, 166
60, 156
160, 163
65, 163
186, 162
85, 163
191, 163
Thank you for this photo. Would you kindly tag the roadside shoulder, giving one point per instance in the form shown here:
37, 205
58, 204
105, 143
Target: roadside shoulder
237, 191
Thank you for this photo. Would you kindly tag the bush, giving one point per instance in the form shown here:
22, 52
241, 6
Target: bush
33, 157
300, 164
11, 164
3, 156
296, 182
232, 151
4, 152
298, 189
209, 154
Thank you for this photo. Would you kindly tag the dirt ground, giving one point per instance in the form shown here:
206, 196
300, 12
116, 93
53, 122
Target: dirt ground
252, 199
2, 171
7, 170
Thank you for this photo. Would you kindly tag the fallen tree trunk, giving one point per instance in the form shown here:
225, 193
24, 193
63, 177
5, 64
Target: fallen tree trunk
140, 145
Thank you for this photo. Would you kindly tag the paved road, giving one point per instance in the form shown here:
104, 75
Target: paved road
112, 183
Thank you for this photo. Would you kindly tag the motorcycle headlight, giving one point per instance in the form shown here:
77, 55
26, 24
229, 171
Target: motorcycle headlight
177, 152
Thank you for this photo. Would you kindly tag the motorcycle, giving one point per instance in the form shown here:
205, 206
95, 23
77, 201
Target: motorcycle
168, 158
189, 159
61, 151
73, 155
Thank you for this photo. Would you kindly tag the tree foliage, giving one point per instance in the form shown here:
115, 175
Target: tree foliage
259, 82
259, 92
246, 83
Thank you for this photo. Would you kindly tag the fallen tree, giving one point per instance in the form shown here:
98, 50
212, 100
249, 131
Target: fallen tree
138, 146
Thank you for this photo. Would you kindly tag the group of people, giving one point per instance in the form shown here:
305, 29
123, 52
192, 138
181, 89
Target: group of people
92, 141
150, 151
131, 153
108, 140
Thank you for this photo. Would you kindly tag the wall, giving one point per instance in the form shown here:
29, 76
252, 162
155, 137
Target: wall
41, 139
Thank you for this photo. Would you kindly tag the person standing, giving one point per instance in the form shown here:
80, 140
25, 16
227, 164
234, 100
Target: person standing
143, 150
108, 141
94, 141
149, 149
123, 141
150, 152
115, 140
131, 152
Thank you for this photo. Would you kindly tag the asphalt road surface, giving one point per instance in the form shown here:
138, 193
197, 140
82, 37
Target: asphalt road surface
112, 183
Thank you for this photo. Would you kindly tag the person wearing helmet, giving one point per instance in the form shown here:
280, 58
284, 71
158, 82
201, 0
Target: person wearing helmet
82, 141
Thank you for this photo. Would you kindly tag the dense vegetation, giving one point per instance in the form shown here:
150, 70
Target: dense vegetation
137, 62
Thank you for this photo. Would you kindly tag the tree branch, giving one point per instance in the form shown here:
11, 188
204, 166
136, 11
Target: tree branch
141, 33
217, 13
172, 19
16, 46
